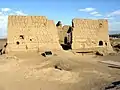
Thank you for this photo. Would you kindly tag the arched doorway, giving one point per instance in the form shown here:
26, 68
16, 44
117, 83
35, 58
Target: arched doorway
100, 43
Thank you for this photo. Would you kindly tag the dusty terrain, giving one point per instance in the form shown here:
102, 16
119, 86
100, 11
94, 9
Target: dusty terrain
62, 71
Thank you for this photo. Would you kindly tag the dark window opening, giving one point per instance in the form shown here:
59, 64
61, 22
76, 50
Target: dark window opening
17, 43
100, 43
105, 43
30, 39
21, 36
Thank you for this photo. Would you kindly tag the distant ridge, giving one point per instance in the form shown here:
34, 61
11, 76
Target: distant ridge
114, 32
3, 39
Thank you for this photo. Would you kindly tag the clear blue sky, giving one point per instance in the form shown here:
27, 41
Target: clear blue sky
64, 10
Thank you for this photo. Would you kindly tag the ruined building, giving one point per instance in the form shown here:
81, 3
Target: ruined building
86, 35
32, 33
65, 36
37, 33
90, 34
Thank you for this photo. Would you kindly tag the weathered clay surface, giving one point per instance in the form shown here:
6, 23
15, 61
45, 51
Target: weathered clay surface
62, 32
90, 34
31, 33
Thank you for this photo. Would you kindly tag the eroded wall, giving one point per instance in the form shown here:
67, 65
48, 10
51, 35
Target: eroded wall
63, 33
60, 32
31, 33
90, 34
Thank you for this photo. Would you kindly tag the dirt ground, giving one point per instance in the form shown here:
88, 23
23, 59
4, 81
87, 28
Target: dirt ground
63, 70
31, 71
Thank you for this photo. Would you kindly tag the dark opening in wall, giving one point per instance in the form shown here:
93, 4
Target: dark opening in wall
66, 47
100, 43
5, 45
21, 36
69, 30
30, 39
17, 43
72, 24
68, 39
105, 43
65, 40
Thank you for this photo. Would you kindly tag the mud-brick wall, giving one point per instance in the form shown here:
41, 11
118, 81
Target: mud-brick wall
31, 33
62, 32
65, 29
51, 37
88, 33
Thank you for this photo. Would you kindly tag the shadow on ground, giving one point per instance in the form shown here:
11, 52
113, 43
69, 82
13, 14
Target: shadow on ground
113, 86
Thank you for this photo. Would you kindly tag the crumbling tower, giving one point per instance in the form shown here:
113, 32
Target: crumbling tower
90, 35
31, 33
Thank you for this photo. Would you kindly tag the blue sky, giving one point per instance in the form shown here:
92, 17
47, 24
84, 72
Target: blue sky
63, 10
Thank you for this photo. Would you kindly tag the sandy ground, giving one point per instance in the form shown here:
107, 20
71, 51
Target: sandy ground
31, 71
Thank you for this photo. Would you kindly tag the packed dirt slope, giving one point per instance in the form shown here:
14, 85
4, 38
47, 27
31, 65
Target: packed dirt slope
62, 71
